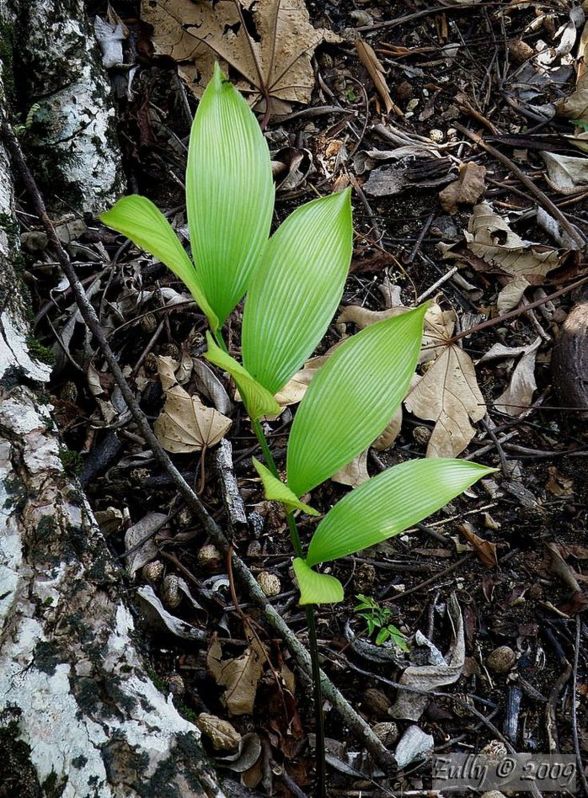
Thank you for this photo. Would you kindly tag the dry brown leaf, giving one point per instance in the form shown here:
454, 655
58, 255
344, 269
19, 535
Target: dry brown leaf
196, 34
448, 394
467, 189
221, 733
558, 484
239, 675
376, 71
489, 237
485, 550
354, 473
519, 394
186, 424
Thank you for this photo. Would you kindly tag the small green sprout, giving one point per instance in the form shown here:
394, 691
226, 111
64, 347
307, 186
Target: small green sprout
377, 619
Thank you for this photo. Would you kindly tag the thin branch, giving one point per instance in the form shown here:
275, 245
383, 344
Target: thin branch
539, 195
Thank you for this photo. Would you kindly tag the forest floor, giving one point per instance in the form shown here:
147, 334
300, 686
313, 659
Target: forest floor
462, 131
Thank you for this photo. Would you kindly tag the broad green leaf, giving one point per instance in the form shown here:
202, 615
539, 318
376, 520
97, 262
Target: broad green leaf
389, 503
352, 399
140, 220
297, 289
277, 491
229, 193
316, 588
257, 399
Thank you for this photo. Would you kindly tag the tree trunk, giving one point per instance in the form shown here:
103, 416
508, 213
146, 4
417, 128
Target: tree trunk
79, 716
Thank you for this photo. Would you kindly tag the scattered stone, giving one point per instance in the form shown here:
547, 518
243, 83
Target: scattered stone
376, 702
501, 659
153, 571
269, 583
387, 732
209, 557
171, 594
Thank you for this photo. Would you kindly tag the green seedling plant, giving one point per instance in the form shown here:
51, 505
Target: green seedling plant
293, 282
377, 619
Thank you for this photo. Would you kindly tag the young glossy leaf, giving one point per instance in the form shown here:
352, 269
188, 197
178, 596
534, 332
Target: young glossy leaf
316, 588
277, 491
140, 220
257, 399
297, 289
229, 193
389, 503
352, 399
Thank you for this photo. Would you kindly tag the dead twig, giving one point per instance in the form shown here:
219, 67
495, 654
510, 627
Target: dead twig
539, 195
518, 311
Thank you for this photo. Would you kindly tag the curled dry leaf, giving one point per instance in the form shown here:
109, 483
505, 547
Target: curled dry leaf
466, 190
196, 34
566, 174
143, 530
490, 238
239, 675
186, 424
485, 550
519, 394
409, 705
158, 615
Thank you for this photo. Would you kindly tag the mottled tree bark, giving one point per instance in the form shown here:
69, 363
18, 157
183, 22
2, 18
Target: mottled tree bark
79, 716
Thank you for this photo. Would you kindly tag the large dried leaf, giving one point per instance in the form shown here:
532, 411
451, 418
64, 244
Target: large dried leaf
448, 394
278, 55
239, 675
489, 237
352, 398
297, 289
229, 194
575, 106
186, 424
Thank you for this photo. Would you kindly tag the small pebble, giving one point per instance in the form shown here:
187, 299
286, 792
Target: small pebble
386, 732
170, 592
209, 557
269, 583
153, 571
421, 434
376, 702
501, 659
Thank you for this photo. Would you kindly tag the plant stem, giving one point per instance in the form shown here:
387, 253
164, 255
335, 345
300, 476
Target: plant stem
321, 790
218, 337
